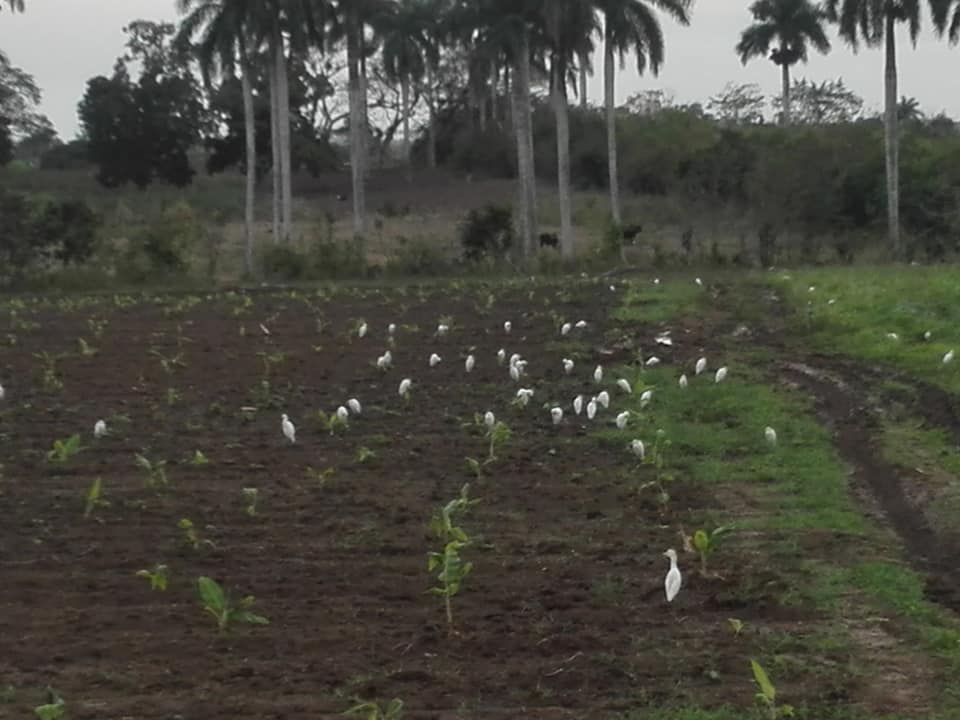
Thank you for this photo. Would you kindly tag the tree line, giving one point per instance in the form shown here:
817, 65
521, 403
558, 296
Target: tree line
256, 65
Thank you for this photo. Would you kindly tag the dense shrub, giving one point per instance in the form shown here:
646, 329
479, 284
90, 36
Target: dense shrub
161, 250
39, 231
486, 233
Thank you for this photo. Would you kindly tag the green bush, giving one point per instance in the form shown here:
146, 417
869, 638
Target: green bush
284, 263
486, 233
161, 251
418, 257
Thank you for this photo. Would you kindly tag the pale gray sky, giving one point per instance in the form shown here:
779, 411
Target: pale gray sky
66, 42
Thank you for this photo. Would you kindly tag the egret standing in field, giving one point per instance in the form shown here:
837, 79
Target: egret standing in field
653, 362
434, 359
523, 396
289, 431
566, 328
721, 375
947, 359
771, 435
591, 409
362, 330
567, 366
343, 414
469, 364
99, 429
2, 392
354, 406
645, 397
507, 327
404, 389
598, 374
581, 324
683, 382
578, 404
501, 356
391, 329
489, 419
442, 330
638, 449
673, 580
604, 399
557, 415
622, 419
701, 365
624, 385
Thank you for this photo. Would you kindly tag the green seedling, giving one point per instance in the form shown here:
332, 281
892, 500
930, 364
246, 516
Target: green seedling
191, 536
657, 458
365, 454
452, 568
320, 478
332, 423
393, 710
54, 709
63, 450
49, 377
736, 625
767, 695
156, 471
475, 466
251, 496
86, 349
227, 613
705, 543
270, 360
157, 576
199, 459
172, 397
169, 364
497, 434
94, 498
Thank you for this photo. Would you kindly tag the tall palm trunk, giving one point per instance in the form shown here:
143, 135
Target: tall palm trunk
275, 155
283, 115
523, 128
432, 122
356, 128
561, 109
892, 138
785, 79
609, 101
405, 99
583, 81
249, 125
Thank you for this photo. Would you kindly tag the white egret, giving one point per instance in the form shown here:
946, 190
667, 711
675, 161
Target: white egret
3, 392
382, 363
624, 385
501, 356
699, 282
391, 328
434, 359
404, 390
470, 362
656, 281
515, 373
567, 366
289, 431
683, 382
362, 330
264, 330
581, 324
645, 397
664, 339
566, 328
507, 327
948, 358
638, 449
99, 429
578, 404
701, 365
653, 362
770, 434
591, 408
442, 329
598, 374
927, 335
515, 358
523, 396
622, 419
604, 399
489, 419
557, 415
721, 375
343, 414
892, 336
354, 406
673, 580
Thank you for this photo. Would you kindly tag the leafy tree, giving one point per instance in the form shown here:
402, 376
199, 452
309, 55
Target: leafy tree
828, 103
790, 24
14, 5
738, 104
6, 141
141, 131
946, 18
19, 98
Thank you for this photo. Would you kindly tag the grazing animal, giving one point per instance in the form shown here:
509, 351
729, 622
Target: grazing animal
549, 240
631, 233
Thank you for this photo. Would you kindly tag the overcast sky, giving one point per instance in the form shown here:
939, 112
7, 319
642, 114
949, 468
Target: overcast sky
63, 43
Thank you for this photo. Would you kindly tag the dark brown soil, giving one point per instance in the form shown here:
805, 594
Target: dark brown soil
564, 615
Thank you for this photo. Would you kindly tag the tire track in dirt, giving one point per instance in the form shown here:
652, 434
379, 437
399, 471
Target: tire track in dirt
852, 420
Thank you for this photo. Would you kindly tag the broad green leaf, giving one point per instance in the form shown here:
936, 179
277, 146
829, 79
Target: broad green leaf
767, 690
251, 618
211, 593
701, 541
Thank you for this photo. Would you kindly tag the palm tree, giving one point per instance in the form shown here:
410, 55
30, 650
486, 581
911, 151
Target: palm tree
792, 25
570, 25
406, 47
631, 26
944, 21
224, 26
14, 5
875, 22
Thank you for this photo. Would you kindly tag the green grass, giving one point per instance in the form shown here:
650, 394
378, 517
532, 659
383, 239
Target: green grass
793, 489
648, 303
868, 303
